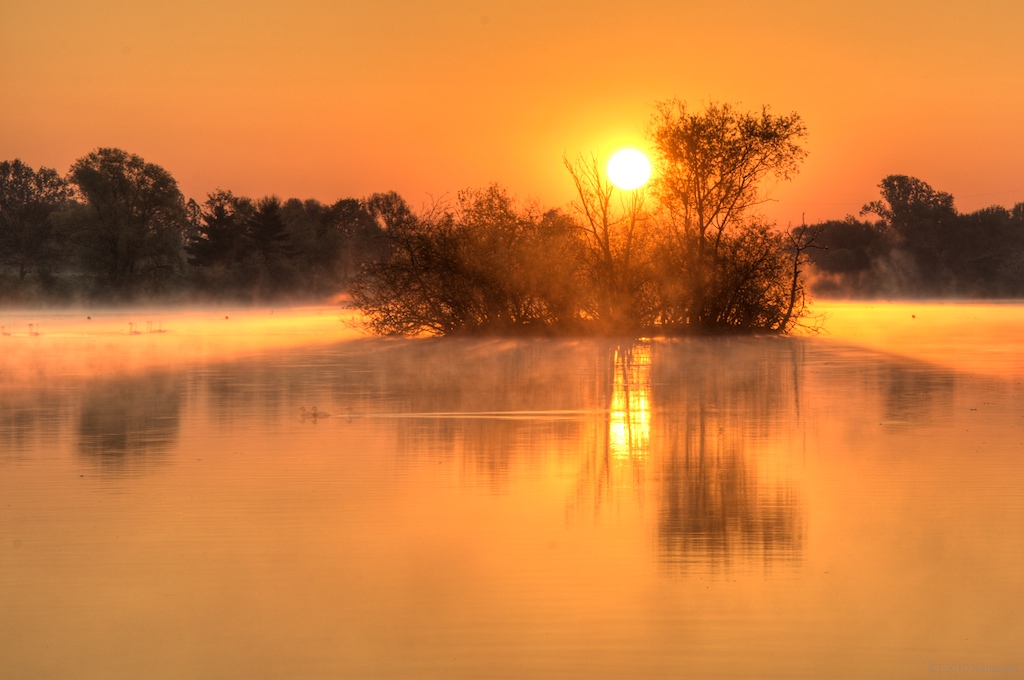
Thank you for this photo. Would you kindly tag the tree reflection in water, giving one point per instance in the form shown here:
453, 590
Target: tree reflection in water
687, 426
717, 509
694, 427
123, 419
29, 418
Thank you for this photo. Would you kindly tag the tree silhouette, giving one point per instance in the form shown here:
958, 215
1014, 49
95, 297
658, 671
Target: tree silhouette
30, 238
715, 168
696, 260
920, 221
618, 248
218, 247
907, 201
329, 242
220, 235
131, 227
482, 265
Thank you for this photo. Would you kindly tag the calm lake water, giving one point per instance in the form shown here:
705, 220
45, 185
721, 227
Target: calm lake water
848, 505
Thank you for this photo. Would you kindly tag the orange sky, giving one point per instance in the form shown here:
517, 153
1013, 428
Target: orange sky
322, 99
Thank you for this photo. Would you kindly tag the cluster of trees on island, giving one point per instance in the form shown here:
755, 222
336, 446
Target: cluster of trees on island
688, 253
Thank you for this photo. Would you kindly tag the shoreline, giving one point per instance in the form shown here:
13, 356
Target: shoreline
80, 343
40, 344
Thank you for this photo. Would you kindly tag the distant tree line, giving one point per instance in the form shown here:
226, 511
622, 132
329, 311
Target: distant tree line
912, 242
117, 228
686, 254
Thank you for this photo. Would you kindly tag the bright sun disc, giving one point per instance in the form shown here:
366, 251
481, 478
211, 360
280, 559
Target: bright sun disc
629, 169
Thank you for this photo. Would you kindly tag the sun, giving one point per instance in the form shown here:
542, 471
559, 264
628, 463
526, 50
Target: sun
629, 169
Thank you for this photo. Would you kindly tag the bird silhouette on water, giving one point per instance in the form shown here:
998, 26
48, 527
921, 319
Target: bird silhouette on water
313, 413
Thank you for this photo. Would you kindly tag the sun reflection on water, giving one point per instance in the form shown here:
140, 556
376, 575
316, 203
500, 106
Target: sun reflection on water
629, 428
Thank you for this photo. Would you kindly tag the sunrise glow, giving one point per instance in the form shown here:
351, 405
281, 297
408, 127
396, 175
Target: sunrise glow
345, 118
511, 339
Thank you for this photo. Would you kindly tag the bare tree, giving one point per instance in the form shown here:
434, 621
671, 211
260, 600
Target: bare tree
614, 226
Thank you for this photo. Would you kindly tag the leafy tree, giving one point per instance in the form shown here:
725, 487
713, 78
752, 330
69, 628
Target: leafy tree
482, 265
269, 248
405, 291
268, 261
329, 241
133, 220
715, 169
244, 248
220, 234
844, 262
983, 253
361, 236
315, 243
907, 202
517, 263
219, 243
922, 224
30, 237
390, 211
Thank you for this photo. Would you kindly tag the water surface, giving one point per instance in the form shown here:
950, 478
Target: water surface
735, 508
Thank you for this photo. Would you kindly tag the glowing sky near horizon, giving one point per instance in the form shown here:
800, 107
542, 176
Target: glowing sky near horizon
325, 100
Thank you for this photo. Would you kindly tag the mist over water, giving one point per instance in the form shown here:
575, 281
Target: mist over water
740, 507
